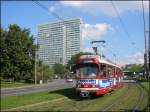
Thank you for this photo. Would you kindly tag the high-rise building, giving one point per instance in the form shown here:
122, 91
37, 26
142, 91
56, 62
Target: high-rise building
58, 41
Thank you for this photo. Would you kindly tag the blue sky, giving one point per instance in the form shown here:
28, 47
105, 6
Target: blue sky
100, 22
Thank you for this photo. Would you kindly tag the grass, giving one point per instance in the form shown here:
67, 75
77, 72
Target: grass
13, 84
132, 100
128, 101
145, 85
26, 99
70, 103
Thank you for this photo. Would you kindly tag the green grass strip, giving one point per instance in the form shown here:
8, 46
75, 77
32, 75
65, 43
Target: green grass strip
146, 85
27, 99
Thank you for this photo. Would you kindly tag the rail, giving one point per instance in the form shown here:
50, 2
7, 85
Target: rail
122, 97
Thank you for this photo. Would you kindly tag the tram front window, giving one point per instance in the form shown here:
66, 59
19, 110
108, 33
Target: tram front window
88, 71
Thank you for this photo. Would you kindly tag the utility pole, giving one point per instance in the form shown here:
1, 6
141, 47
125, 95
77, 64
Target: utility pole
148, 56
145, 58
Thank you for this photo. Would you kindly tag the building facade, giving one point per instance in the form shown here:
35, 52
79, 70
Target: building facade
58, 41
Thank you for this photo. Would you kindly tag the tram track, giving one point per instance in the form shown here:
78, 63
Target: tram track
124, 97
109, 107
140, 99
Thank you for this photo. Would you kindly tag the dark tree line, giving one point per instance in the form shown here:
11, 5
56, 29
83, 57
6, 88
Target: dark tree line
17, 53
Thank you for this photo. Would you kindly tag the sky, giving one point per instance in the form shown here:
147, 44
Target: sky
119, 23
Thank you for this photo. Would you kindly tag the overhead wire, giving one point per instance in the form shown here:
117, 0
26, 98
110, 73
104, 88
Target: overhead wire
122, 23
60, 18
53, 13
49, 11
123, 26
46, 9
113, 53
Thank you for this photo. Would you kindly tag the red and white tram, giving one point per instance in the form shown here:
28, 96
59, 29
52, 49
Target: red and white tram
96, 75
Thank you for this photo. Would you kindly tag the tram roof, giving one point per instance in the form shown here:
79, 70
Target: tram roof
100, 59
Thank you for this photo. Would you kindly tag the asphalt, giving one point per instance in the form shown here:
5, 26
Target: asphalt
55, 85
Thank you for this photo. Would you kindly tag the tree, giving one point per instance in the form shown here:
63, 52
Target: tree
48, 73
39, 70
136, 68
18, 53
44, 72
60, 70
4, 59
74, 59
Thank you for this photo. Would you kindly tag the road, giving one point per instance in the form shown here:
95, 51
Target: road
56, 84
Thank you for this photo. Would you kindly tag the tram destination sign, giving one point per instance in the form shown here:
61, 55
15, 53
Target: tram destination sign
86, 61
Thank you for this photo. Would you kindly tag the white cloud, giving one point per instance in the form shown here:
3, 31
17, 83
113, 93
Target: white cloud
106, 7
97, 31
93, 32
74, 3
137, 58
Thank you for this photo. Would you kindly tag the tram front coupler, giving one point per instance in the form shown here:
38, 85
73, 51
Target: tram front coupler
84, 94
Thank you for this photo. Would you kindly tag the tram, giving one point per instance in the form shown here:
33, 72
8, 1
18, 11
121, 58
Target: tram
96, 75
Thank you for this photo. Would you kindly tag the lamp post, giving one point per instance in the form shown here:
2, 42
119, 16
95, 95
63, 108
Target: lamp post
35, 62
35, 66
147, 56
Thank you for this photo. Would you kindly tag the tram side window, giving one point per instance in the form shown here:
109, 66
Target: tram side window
103, 71
110, 71
113, 71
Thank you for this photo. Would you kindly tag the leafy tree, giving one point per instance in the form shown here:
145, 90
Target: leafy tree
60, 70
44, 72
74, 59
136, 68
18, 51
48, 73
4, 59
39, 70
